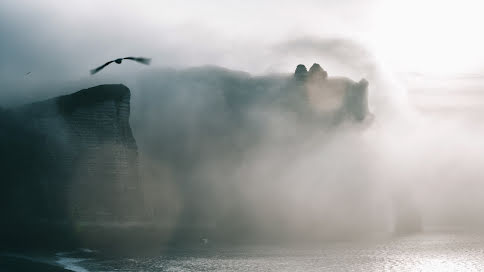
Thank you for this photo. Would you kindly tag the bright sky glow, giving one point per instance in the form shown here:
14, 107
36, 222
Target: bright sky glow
430, 37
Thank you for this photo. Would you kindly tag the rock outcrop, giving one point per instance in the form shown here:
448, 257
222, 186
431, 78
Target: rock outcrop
301, 72
200, 125
340, 97
316, 72
73, 158
82, 157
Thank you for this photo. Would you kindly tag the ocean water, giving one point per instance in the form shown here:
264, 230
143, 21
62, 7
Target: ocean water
422, 252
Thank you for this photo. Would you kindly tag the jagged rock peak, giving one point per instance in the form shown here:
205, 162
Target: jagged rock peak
363, 83
317, 72
301, 72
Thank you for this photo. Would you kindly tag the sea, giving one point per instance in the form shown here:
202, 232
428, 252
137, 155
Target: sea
436, 251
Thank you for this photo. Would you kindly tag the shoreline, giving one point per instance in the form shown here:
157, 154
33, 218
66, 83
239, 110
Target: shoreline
18, 263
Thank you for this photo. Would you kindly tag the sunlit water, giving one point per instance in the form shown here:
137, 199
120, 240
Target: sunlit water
423, 252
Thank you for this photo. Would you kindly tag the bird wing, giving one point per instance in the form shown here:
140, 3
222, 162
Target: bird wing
140, 60
93, 71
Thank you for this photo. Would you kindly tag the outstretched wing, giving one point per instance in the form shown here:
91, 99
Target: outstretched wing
140, 60
93, 71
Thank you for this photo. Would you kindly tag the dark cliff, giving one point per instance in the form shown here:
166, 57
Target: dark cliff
201, 133
71, 158
339, 97
210, 135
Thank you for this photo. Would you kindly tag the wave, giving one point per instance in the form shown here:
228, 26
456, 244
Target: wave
72, 264
19, 262
71, 260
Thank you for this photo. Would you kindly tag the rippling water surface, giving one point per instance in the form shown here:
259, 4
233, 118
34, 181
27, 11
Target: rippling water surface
423, 252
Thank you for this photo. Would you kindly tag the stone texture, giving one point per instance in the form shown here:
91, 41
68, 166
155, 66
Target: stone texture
92, 153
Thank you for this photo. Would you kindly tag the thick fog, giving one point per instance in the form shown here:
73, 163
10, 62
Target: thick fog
221, 143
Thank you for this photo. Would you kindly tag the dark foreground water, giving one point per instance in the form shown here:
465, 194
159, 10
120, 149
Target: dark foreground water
423, 252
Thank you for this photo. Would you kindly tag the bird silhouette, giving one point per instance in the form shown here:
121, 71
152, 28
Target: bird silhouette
145, 61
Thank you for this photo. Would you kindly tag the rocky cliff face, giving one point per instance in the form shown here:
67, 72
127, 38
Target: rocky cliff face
82, 157
340, 97
74, 157
214, 142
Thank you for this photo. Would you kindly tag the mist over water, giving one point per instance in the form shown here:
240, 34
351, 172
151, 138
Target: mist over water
425, 252
242, 164
299, 179
251, 163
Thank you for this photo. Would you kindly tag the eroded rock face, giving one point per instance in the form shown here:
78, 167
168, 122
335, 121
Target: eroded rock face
338, 96
301, 72
210, 130
89, 154
356, 100
317, 73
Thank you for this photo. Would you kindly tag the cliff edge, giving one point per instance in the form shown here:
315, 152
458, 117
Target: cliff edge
71, 158
339, 96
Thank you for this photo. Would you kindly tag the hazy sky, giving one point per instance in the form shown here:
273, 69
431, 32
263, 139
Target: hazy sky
417, 36
417, 40
434, 48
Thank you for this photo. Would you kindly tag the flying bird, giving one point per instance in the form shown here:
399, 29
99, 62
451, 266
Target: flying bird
145, 61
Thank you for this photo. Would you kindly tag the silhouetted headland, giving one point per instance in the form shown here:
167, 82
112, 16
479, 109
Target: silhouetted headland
69, 159
72, 173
